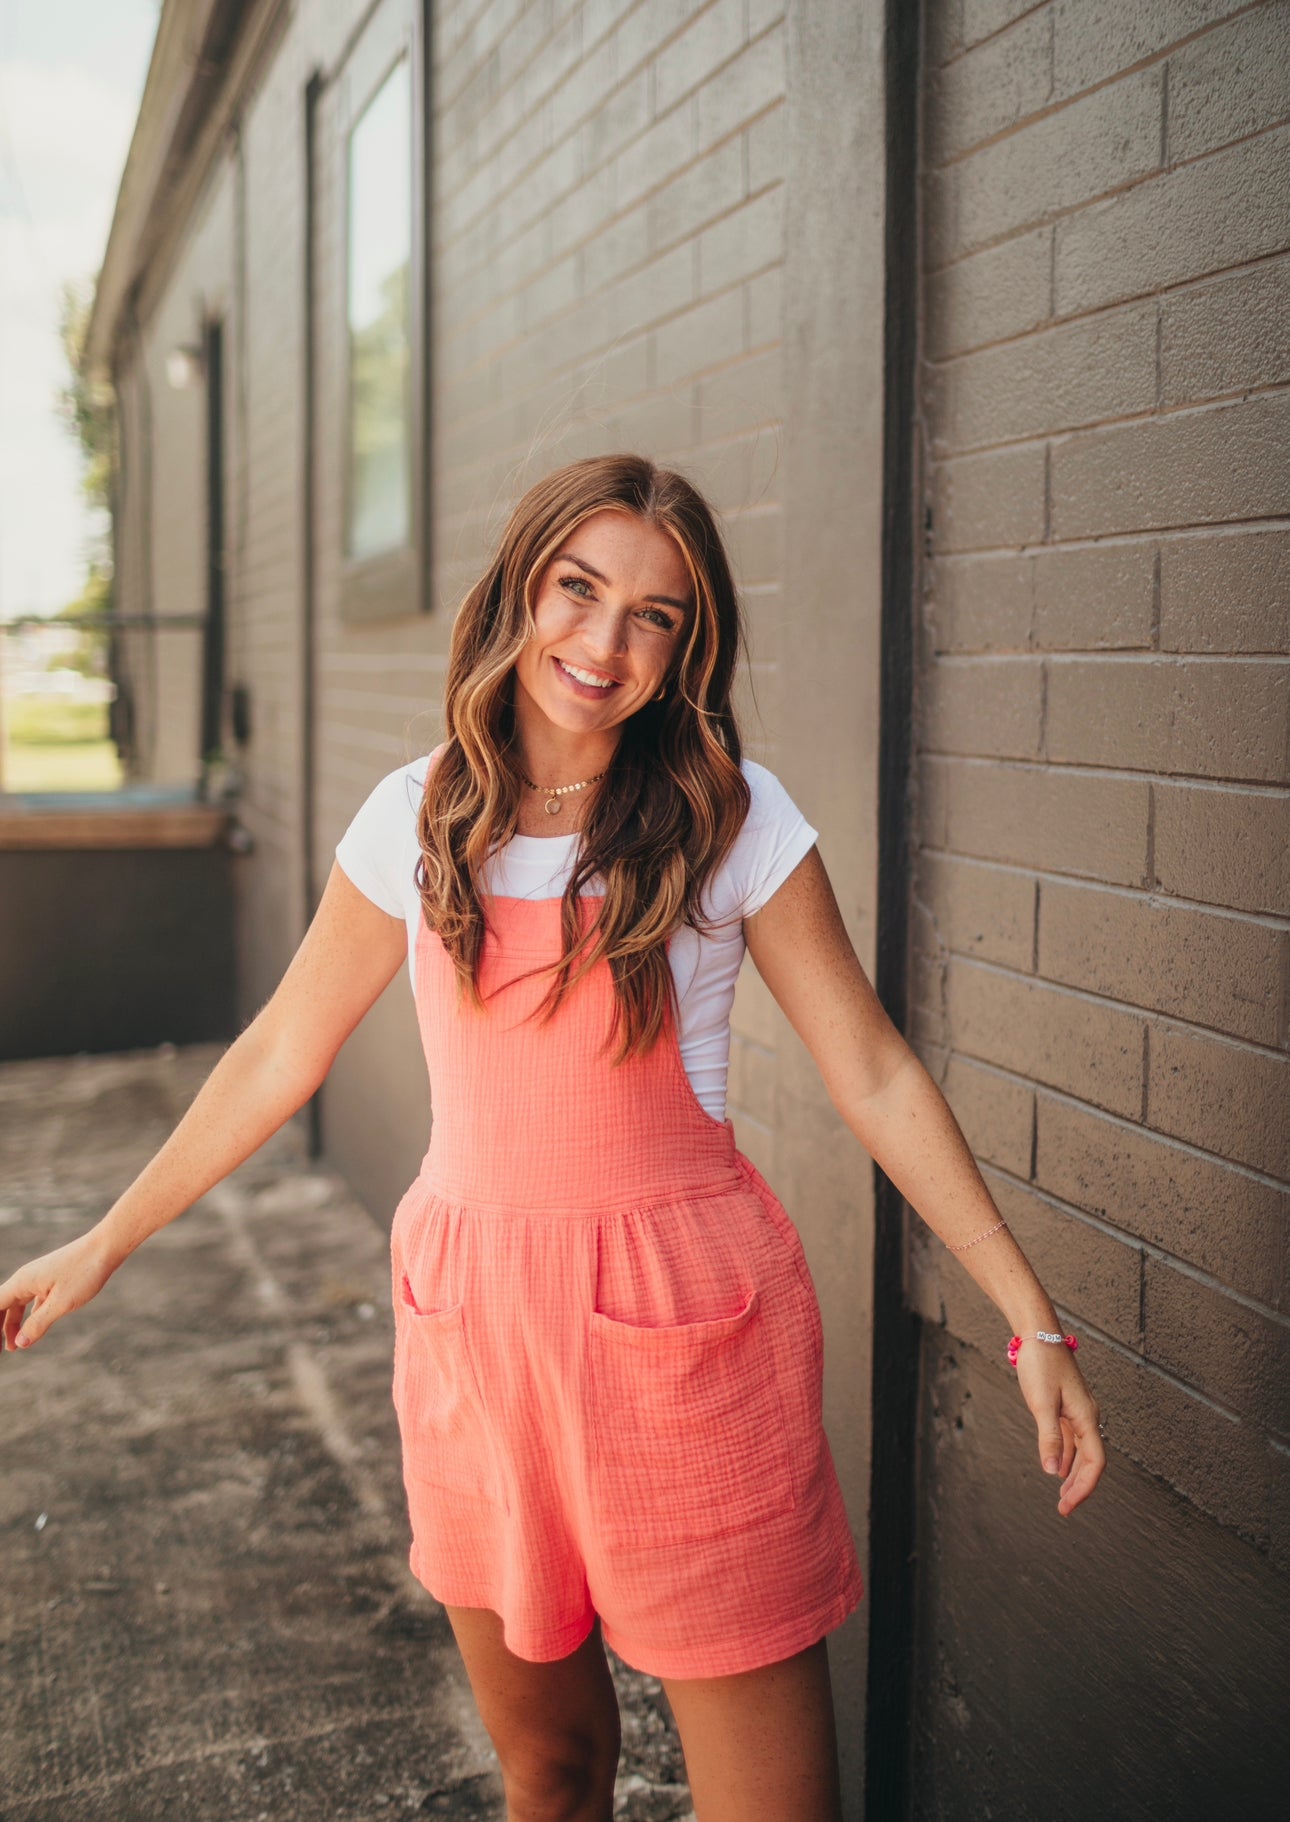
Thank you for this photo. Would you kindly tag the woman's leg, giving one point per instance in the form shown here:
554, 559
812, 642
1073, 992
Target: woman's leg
555, 1726
761, 1745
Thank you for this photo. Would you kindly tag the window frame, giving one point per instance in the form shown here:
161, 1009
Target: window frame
390, 584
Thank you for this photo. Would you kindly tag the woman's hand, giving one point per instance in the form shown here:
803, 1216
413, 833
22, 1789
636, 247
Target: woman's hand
54, 1285
1066, 1415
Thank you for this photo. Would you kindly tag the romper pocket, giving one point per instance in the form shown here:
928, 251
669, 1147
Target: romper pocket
436, 1396
689, 1435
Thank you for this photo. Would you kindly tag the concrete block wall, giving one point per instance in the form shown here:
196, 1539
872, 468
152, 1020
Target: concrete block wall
268, 176
1100, 908
1101, 903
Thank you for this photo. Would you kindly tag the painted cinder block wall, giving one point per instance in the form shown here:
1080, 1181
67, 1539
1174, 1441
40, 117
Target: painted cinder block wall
1100, 893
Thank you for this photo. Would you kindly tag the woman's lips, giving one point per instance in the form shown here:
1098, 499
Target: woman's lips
590, 692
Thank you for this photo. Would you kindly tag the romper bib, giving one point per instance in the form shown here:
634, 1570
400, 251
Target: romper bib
608, 1349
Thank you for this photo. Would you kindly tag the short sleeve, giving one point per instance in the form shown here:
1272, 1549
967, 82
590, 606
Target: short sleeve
379, 850
774, 838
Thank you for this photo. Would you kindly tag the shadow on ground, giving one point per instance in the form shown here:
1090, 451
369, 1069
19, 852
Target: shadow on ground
205, 1605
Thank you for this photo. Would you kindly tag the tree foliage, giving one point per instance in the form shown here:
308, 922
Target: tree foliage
88, 411
86, 408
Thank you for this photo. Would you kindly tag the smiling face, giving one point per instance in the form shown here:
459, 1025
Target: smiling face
611, 612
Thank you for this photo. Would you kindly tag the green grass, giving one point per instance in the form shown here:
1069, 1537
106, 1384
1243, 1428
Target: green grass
50, 721
55, 745
86, 765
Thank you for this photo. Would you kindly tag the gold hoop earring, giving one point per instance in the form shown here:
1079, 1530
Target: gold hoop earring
661, 694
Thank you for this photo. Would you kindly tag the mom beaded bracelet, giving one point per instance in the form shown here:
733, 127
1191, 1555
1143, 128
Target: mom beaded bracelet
1014, 1346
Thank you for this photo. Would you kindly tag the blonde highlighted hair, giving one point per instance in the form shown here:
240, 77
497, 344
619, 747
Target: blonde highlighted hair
668, 812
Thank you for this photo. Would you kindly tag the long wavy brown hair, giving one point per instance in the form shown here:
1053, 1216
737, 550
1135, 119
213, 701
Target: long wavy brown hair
667, 813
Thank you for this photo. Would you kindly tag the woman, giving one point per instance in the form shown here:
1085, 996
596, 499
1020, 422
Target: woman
608, 1349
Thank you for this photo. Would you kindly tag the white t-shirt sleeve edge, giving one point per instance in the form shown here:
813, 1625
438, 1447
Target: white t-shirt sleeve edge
376, 841
797, 846
782, 834
358, 875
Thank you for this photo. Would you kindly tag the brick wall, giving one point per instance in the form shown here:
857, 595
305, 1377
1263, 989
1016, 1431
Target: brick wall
1101, 892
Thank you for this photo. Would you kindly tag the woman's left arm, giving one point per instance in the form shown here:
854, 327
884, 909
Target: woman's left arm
803, 953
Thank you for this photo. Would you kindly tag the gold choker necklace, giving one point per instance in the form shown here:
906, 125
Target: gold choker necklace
554, 792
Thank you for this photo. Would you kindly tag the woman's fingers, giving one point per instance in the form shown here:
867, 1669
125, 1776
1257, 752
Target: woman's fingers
15, 1294
1080, 1483
45, 1289
1067, 1455
44, 1312
1052, 1438
1066, 1419
1083, 1468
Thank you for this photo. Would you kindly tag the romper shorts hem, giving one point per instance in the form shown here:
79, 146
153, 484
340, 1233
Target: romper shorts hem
713, 1660
535, 1648
706, 1661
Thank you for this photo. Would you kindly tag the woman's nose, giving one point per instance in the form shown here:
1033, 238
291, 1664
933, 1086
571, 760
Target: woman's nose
605, 631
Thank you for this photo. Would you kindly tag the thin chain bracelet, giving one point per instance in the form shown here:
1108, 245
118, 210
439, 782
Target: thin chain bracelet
964, 1244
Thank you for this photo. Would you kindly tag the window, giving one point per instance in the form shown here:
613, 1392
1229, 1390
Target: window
377, 353
379, 238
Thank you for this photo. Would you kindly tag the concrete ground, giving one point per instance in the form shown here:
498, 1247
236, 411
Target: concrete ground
205, 1605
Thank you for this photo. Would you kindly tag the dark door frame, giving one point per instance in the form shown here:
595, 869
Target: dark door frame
214, 634
310, 889
893, 1490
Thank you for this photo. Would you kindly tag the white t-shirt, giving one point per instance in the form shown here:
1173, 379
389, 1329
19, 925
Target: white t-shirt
379, 853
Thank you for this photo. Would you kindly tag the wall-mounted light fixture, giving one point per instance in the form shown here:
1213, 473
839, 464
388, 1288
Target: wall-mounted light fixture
185, 366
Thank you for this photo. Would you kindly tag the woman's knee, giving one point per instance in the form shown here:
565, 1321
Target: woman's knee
555, 1726
560, 1775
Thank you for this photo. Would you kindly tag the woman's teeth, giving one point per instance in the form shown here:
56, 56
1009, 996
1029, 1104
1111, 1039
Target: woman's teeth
599, 683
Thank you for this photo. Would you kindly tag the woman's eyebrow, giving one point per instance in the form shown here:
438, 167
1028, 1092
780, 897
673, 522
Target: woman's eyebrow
562, 556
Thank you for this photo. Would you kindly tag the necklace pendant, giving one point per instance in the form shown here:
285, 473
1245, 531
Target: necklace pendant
553, 806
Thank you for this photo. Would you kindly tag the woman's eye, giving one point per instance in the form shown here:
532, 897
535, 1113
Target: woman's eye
575, 582
657, 617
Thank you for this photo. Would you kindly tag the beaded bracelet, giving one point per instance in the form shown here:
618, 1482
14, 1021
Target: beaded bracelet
1014, 1346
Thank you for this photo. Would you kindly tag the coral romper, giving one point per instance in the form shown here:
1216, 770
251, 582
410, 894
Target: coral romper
608, 1349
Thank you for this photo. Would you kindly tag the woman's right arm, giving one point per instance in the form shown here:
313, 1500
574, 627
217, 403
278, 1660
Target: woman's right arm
349, 955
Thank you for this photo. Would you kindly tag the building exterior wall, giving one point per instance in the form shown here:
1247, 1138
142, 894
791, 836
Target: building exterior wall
1100, 896
161, 519
609, 188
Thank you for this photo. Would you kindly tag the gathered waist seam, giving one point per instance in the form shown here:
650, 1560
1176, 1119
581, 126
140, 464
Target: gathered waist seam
639, 1203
